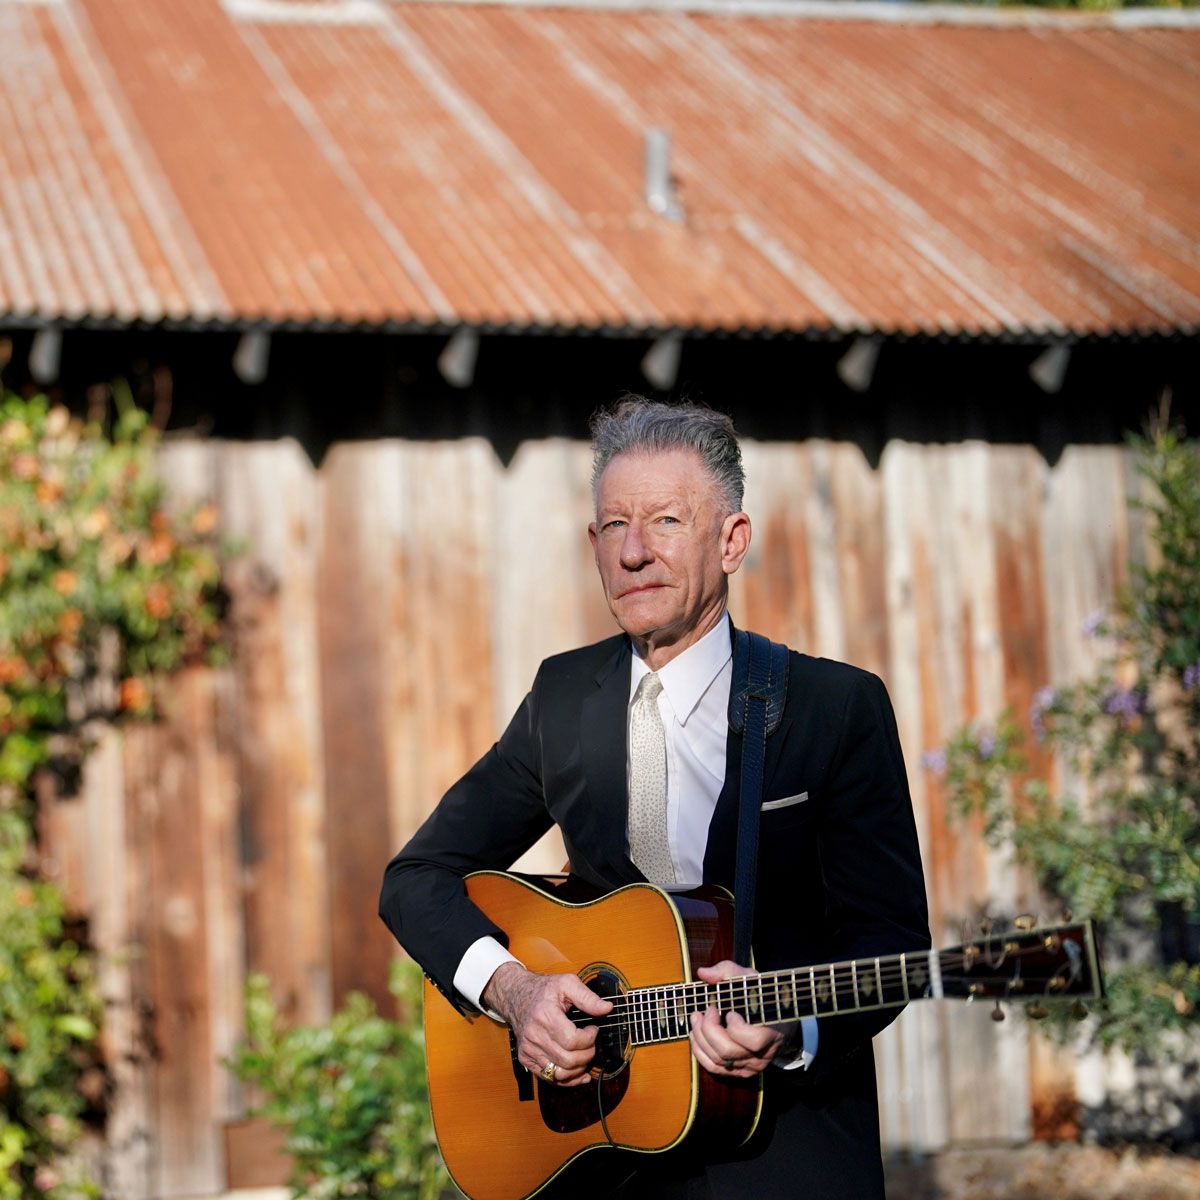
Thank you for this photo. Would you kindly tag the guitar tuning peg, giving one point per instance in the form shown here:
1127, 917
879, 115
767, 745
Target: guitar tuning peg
1036, 1011
1078, 1010
997, 1012
1025, 921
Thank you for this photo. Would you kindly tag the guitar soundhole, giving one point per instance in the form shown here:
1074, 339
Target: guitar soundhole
613, 1048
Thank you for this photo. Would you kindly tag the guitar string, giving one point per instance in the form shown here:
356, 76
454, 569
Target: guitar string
650, 1016
645, 1006
799, 979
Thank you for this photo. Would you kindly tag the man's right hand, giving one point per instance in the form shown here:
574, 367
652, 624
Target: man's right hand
535, 1007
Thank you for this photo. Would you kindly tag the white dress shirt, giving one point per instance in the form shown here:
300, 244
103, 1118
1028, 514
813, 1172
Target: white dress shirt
694, 705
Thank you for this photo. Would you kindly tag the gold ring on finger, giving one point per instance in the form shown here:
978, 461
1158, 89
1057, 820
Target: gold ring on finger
547, 1072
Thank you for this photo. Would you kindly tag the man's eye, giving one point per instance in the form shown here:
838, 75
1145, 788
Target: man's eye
669, 520
613, 524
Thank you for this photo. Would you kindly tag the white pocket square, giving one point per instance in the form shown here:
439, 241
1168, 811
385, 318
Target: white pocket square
770, 804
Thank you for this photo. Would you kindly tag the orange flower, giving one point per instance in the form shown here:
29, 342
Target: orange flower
118, 547
134, 694
205, 519
69, 622
65, 582
57, 420
95, 523
158, 600
158, 550
25, 466
48, 491
11, 668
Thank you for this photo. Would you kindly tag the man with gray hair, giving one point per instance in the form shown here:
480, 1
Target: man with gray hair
626, 746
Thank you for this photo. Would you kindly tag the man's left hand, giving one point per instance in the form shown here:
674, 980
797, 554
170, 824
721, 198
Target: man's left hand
732, 1047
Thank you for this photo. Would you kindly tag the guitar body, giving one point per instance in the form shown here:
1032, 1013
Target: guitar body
505, 1133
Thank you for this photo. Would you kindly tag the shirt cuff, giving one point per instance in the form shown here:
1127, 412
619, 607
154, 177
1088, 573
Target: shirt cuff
809, 1037
476, 968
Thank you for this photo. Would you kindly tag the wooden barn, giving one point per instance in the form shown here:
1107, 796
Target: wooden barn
377, 262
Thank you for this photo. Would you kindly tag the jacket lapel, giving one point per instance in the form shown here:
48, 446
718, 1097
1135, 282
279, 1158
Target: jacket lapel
603, 753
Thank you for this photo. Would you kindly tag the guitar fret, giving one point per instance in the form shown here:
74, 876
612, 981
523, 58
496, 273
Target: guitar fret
663, 1013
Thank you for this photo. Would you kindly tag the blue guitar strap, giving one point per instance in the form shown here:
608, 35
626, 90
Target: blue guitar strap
756, 699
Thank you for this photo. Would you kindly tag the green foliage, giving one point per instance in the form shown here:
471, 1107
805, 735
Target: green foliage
1122, 843
102, 593
49, 1014
350, 1095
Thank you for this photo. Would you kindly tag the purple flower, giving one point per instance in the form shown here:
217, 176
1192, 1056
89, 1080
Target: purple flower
934, 760
1043, 698
1093, 622
1191, 676
1124, 702
987, 745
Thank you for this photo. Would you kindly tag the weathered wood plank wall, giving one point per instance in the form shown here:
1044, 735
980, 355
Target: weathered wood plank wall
389, 616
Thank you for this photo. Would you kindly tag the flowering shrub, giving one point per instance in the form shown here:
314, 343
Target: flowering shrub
1121, 843
350, 1095
102, 594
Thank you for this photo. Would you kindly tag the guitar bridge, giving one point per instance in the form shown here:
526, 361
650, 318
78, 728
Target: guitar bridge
522, 1076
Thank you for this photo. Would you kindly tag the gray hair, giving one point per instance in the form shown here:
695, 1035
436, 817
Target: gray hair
638, 425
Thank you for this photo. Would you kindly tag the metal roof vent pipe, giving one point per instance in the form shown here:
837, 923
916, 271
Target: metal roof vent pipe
45, 354
457, 359
1049, 369
660, 184
251, 356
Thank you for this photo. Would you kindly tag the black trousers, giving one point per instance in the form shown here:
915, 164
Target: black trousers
605, 1175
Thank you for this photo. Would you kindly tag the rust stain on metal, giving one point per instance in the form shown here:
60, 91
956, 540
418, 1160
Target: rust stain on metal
391, 163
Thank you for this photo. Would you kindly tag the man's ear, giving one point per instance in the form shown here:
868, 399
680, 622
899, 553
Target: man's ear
735, 541
592, 535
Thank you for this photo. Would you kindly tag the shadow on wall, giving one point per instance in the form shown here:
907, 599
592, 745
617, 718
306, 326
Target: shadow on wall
326, 387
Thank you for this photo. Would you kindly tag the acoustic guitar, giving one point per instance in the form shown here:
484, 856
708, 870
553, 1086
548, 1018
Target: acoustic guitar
504, 1133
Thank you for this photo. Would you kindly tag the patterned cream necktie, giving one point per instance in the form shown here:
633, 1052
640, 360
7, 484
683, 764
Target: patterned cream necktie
649, 846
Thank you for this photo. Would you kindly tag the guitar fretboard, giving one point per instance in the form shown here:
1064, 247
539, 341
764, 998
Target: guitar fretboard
663, 1014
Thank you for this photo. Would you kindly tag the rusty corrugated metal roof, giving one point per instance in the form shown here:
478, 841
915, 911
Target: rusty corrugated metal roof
361, 163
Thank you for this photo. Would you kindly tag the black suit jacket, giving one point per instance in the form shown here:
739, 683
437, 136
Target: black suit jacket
839, 873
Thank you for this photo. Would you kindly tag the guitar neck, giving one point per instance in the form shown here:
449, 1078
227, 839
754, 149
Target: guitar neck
663, 1014
1050, 963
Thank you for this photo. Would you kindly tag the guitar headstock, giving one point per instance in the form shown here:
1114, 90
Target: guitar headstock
1024, 964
